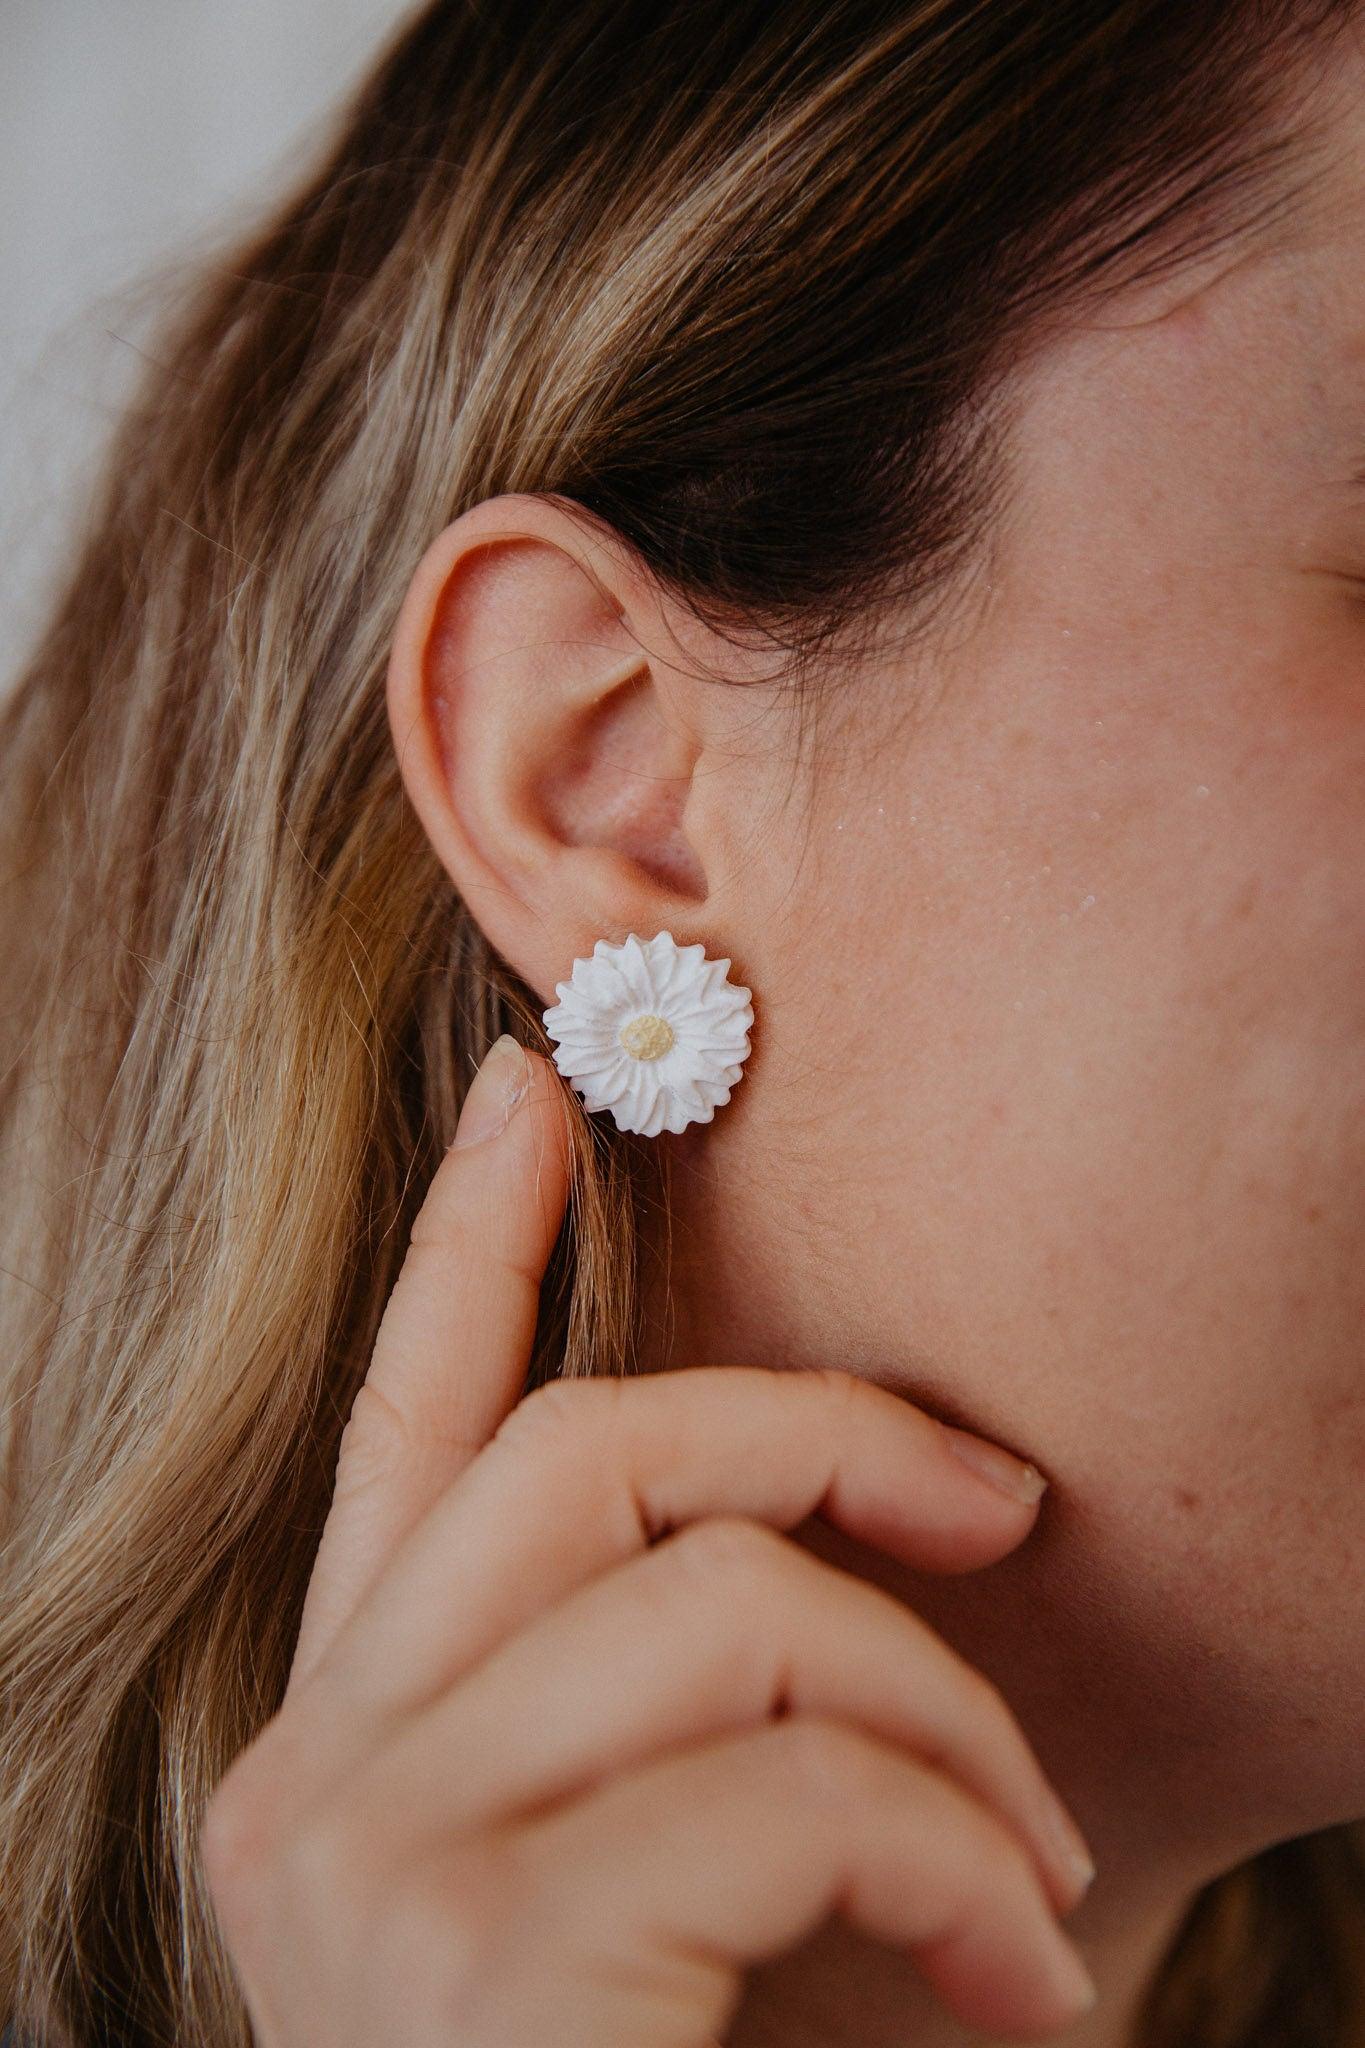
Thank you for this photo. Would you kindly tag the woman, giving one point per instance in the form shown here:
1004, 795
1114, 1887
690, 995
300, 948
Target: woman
872, 490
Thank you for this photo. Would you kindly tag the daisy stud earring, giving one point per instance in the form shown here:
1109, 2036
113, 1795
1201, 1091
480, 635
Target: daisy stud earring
651, 1030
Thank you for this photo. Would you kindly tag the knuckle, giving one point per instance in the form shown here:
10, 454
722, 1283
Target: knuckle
267, 1851
382, 1434
981, 1852
243, 1828
335, 1864
460, 1929
846, 1404
450, 1208
838, 1769
558, 1417
234, 1834
726, 1551
833, 1765
838, 1390
461, 1910
992, 1853
376, 1432
324, 1845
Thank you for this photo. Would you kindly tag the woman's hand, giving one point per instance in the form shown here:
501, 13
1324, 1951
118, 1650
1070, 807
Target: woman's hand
573, 1734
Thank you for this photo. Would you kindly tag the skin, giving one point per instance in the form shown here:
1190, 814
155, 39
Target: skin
743, 1737
1054, 1124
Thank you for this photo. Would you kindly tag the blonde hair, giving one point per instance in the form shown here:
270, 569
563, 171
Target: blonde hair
734, 280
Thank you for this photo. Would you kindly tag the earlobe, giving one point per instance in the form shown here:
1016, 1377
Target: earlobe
548, 749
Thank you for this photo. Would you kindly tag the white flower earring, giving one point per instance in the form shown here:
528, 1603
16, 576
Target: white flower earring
653, 1031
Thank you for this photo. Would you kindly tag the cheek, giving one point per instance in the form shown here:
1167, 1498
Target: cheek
1099, 1119
1077, 1111
1156, 1128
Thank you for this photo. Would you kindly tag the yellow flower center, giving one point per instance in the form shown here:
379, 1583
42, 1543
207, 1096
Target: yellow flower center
647, 1038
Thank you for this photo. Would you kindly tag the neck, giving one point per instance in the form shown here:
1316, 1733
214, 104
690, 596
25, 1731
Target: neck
1109, 1702
841, 1988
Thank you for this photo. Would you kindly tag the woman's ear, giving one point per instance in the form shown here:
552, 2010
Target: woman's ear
551, 732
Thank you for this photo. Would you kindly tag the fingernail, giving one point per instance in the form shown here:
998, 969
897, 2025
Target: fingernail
494, 1093
1011, 1475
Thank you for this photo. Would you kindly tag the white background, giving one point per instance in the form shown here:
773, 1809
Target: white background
128, 128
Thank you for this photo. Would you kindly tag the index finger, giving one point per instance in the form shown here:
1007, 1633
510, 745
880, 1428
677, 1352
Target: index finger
452, 1351
587, 1472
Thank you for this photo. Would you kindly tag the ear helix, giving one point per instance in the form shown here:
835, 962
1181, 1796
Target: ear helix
653, 1031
